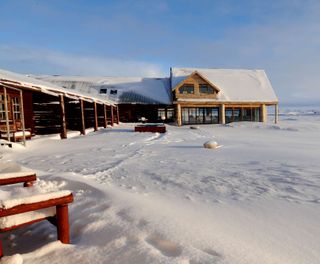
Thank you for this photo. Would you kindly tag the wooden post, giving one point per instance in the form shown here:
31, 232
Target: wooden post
63, 223
95, 116
222, 114
118, 115
22, 119
63, 124
263, 113
276, 113
82, 118
112, 115
7, 113
178, 115
105, 123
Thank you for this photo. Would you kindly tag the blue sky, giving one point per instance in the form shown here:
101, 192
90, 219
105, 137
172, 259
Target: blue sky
145, 38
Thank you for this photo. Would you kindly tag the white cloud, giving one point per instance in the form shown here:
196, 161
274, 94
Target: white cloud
40, 61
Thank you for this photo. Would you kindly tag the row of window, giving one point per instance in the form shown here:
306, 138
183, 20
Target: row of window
210, 115
189, 89
105, 91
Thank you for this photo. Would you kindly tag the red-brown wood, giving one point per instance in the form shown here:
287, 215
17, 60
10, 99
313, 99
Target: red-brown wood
151, 128
63, 223
63, 124
2, 230
83, 125
105, 123
22, 208
1, 250
117, 115
112, 116
27, 179
95, 116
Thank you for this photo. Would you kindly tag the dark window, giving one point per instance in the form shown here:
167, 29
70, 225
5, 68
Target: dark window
187, 89
113, 91
205, 88
161, 113
16, 108
103, 90
170, 113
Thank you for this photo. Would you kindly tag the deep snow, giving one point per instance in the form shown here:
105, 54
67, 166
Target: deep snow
153, 198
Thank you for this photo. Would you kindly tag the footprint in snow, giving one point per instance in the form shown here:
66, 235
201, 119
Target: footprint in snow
166, 247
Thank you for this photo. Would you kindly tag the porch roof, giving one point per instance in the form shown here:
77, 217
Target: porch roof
127, 90
26, 82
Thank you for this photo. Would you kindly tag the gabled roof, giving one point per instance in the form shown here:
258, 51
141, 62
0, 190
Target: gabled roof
199, 75
135, 90
235, 85
27, 82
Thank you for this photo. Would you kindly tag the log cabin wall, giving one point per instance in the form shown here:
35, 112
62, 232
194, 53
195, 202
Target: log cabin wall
88, 114
46, 109
73, 114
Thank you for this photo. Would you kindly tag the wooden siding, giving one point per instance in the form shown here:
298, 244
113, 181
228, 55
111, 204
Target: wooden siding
196, 80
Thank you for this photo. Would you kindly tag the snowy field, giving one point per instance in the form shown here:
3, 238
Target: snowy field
162, 198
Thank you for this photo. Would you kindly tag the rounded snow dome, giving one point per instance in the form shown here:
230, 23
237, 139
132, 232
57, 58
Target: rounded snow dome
211, 144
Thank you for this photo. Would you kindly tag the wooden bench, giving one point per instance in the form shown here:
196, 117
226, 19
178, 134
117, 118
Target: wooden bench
15, 133
154, 128
19, 212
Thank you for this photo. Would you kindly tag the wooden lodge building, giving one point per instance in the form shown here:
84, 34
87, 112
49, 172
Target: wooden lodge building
55, 104
29, 106
213, 96
188, 96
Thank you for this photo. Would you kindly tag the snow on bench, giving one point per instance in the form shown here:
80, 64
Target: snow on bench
53, 206
27, 177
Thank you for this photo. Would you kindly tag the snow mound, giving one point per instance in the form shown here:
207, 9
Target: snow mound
15, 259
211, 144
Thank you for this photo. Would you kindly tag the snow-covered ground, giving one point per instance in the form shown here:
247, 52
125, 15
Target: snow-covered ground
163, 198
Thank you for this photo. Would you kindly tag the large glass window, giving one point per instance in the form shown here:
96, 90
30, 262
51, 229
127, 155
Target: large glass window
200, 115
242, 114
205, 88
187, 89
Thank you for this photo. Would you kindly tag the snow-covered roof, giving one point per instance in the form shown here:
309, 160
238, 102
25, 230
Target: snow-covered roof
26, 81
137, 90
235, 85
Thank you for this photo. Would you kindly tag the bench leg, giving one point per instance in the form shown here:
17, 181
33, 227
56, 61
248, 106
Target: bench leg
28, 184
63, 223
1, 250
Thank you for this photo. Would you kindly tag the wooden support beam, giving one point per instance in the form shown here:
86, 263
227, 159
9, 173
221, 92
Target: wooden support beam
82, 118
178, 113
63, 223
95, 116
222, 114
263, 113
63, 123
105, 123
112, 116
276, 113
118, 115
